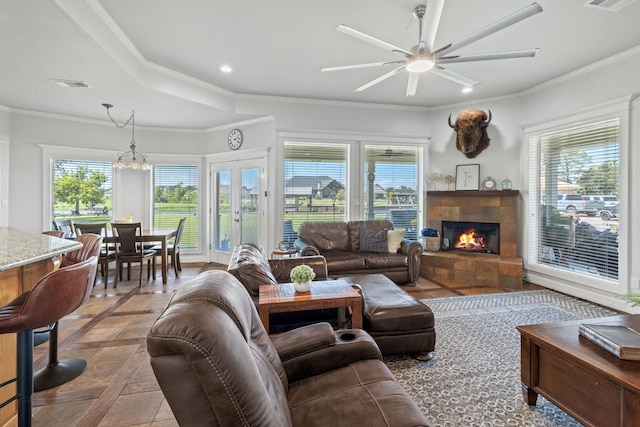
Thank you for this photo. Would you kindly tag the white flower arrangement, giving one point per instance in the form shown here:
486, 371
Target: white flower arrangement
302, 273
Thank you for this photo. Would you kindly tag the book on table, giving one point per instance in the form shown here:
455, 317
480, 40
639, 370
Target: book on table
620, 340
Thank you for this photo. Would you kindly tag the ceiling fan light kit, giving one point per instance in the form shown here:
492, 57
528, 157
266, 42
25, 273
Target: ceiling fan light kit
423, 57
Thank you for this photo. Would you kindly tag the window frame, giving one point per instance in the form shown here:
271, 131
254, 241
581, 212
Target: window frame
51, 153
354, 209
198, 210
547, 275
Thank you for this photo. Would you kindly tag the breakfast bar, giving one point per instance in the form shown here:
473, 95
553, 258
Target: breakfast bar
24, 259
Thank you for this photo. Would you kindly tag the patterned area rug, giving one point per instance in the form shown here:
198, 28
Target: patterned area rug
474, 378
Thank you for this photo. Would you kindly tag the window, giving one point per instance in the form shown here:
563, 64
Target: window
392, 186
315, 184
572, 171
81, 190
176, 195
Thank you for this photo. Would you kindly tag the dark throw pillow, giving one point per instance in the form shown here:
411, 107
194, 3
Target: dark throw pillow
373, 241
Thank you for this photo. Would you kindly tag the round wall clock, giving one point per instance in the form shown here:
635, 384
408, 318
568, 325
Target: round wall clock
235, 139
489, 183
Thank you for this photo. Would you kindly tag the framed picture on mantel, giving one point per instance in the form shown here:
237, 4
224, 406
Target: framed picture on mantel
467, 177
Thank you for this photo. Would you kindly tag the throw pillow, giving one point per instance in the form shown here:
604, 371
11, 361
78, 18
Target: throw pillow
394, 239
373, 241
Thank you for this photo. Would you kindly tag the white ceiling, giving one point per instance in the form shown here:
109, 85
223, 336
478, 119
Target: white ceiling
162, 57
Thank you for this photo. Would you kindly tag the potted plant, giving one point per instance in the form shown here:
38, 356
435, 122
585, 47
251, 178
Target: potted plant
302, 275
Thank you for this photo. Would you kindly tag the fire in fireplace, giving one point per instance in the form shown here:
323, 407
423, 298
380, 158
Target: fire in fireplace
472, 236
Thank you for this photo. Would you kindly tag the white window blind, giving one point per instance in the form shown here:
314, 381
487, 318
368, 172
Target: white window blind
176, 195
391, 186
81, 190
574, 177
315, 183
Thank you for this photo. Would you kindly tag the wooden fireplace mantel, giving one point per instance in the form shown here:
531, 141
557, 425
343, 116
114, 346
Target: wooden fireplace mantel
474, 193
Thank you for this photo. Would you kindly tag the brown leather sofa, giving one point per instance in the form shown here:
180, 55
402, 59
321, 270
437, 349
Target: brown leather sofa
216, 365
340, 244
399, 323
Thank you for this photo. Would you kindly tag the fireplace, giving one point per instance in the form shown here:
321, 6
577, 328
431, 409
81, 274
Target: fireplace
493, 214
483, 237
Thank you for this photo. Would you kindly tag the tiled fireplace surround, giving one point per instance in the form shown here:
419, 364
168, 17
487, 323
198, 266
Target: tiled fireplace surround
481, 269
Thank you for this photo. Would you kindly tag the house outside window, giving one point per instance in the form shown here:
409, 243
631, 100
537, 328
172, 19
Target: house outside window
81, 190
320, 184
574, 199
176, 196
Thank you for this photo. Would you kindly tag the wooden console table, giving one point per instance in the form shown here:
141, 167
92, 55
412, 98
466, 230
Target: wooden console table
324, 294
578, 376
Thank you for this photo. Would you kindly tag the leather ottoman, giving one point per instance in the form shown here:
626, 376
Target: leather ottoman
399, 323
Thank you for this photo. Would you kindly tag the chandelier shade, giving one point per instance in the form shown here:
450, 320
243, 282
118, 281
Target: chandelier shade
130, 159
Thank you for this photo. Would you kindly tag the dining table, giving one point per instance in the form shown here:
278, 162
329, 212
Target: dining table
159, 235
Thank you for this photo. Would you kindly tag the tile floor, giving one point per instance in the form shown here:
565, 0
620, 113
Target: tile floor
118, 387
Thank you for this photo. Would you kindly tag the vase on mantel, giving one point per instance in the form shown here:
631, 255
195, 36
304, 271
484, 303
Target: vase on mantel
302, 286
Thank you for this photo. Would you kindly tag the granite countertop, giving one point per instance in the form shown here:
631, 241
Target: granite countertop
18, 248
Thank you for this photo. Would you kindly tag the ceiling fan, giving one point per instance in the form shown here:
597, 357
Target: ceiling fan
423, 57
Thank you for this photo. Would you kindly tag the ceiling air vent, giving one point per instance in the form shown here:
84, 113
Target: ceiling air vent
69, 83
610, 5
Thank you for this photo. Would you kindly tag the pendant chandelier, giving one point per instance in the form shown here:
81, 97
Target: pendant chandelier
130, 159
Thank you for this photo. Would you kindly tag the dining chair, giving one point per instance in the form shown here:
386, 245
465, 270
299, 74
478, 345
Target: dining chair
65, 225
107, 253
173, 248
129, 250
54, 233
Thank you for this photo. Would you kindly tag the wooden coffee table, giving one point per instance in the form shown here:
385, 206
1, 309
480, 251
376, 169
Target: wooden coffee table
578, 376
324, 294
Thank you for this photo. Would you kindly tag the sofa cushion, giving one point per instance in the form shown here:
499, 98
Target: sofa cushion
373, 241
339, 261
385, 260
362, 394
251, 267
394, 240
354, 230
325, 236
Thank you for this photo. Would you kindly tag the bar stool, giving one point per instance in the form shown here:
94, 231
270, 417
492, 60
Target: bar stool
58, 372
56, 295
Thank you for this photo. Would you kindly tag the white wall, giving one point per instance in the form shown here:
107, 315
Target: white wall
581, 90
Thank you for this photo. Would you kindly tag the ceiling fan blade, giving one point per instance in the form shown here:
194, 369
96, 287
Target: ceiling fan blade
412, 85
432, 20
353, 67
524, 53
500, 24
447, 74
370, 39
379, 79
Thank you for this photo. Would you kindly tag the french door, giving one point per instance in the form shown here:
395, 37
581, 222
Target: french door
238, 210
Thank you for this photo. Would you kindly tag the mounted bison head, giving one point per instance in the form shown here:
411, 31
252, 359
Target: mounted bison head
471, 132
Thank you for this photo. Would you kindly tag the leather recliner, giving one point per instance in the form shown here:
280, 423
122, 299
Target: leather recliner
216, 365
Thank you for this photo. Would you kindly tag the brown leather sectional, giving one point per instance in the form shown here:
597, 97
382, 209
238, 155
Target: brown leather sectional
216, 365
339, 243
399, 323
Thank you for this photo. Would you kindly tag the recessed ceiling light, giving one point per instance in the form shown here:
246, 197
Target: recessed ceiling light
226, 69
467, 89
69, 83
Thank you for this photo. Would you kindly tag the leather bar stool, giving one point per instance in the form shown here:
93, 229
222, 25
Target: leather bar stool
56, 295
58, 372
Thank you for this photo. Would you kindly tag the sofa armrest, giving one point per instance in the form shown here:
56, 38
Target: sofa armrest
314, 349
281, 268
305, 249
413, 251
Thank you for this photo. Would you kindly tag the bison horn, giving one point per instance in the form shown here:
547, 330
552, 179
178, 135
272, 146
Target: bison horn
451, 124
486, 123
